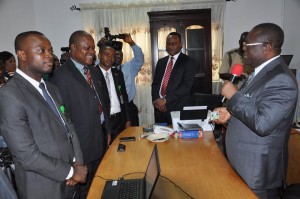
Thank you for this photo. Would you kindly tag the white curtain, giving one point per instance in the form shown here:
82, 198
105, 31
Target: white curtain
130, 16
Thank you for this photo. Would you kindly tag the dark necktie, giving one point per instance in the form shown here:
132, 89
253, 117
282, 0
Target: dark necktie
54, 108
89, 80
166, 78
249, 79
49, 100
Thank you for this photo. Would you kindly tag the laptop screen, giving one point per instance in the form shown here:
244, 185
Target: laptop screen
152, 172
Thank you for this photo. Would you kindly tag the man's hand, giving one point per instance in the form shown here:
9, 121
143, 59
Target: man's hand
224, 115
160, 104
228, 89
108, 139
79, 175
128, 40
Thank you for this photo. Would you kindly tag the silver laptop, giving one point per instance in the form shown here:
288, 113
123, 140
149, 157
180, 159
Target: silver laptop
135, 188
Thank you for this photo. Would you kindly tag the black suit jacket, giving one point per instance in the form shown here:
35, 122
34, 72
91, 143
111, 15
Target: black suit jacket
121, 91
81, 103
180, 82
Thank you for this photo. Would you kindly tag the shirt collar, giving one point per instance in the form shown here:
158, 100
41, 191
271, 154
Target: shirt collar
260, 67
174, 56
31, 80
78, 65
105, 71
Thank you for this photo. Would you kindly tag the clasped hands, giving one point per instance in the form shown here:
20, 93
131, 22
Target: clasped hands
160, 104
79, 174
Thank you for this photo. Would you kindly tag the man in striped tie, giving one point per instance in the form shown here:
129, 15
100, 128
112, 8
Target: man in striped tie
173, 80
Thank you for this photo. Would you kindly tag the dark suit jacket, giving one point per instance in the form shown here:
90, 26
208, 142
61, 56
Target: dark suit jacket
180, 82
81, 102
261, 117
37, 139
121, 91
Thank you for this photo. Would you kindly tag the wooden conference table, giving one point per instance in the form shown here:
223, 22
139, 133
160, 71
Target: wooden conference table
197, 166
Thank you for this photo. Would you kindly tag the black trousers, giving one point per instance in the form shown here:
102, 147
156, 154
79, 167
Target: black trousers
134, 114
117, 126
83, 188
162, 117
266, 193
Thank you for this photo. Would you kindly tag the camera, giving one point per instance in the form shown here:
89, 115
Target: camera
111, 40
110, 37
65, 49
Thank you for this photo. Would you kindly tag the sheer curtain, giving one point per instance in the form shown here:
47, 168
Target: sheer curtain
130, 16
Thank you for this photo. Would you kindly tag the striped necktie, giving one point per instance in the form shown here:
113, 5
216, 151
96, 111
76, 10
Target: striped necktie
89, 80
166, 78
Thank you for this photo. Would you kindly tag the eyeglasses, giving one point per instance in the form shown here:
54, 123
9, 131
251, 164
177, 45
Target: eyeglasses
255, 44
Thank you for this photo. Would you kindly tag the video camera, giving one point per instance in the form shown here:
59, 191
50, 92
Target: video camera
65, 49
111, 40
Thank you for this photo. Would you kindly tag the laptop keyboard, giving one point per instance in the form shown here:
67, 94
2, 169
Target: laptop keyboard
129, 190
190, 126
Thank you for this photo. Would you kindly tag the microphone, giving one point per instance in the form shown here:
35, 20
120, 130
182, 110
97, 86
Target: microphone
236, 71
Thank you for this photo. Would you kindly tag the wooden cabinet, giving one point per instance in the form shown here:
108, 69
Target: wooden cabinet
195, 29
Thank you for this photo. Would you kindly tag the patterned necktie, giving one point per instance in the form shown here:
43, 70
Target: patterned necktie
49, 100
88, 76
166, 78
89, 80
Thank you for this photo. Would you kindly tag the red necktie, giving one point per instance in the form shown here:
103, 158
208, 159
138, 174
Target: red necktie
89, 80
88, 76
166, 78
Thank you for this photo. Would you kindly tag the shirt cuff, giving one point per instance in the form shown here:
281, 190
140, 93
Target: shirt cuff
71, 172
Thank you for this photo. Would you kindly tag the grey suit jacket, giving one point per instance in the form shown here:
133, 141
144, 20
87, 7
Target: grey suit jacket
37, 139
258, 131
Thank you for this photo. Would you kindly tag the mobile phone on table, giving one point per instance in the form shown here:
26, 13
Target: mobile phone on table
127, 139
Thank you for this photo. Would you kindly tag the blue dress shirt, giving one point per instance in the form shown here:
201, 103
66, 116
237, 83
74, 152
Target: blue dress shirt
130, 70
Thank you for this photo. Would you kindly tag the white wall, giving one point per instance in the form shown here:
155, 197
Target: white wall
243, 15
15, 17
57, 22
292, 29
53, 18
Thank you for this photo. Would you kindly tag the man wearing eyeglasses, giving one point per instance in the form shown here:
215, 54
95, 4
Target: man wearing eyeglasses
261, 114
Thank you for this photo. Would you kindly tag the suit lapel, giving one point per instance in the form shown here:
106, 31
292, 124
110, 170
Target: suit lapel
78, 76
30, 88
116, 82
260, 76
34, 92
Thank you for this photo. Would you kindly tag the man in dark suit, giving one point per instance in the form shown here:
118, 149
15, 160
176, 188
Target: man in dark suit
41, 138
119, 110
261, 113
87, 100
173, 80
